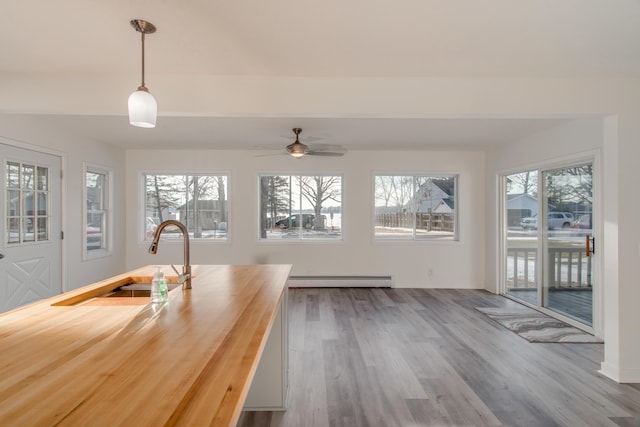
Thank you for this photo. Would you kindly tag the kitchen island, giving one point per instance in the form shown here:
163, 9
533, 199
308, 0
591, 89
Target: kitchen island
88, 357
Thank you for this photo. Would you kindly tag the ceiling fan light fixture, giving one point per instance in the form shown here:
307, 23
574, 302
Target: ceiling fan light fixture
297, 149
143, 108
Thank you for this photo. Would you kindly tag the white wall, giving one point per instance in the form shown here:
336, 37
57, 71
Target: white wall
454, 264
36, 132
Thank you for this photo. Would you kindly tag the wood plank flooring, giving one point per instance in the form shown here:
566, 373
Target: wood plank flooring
425, 357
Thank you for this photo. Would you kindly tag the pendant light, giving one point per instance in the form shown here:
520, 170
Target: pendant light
143, 108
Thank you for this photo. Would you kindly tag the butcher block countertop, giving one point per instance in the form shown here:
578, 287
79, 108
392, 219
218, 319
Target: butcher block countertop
81, 360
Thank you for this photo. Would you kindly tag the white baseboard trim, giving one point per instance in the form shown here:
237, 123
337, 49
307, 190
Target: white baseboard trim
619, 375
340, 281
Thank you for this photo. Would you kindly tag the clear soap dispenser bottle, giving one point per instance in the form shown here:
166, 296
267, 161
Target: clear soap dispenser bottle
156, 293
164, 289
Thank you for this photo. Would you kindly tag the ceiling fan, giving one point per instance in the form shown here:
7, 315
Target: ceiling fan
298, 149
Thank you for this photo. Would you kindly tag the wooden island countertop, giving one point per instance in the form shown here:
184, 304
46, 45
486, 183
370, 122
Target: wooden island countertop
67, 361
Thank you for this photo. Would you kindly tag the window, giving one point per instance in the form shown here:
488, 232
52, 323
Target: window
97, 206
301, 207
27, 203
198, 201
415, 207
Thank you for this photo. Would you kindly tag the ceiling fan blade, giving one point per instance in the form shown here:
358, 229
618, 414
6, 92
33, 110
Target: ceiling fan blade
324, 153
271, 154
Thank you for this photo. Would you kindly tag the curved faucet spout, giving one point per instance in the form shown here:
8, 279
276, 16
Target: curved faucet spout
185, 277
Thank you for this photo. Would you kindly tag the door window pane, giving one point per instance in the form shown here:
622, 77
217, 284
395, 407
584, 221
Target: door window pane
28, 176
13, 230
26, 209
43, 229
522, 236
568, 286
42, 203
13, 202
27, 203
13, 175
28, 234
43, 179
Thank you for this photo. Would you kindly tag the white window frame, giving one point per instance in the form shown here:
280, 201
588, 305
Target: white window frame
413, 237
143, 238
300, 238
107, 233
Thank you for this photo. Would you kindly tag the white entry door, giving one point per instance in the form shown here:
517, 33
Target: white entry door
30, 249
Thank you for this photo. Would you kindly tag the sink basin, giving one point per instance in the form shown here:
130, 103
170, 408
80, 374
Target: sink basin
128, 291
134, 289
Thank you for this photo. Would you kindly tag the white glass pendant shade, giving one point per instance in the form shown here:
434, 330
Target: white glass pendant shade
143, 109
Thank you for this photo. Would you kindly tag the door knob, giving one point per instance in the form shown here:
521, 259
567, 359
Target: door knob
1, 256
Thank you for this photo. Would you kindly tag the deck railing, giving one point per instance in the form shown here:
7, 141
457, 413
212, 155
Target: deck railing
569, 267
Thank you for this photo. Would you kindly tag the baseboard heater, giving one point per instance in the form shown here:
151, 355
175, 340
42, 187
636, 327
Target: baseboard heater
340, 281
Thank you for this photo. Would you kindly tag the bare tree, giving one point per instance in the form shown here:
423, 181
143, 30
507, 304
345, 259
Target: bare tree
187, 192
571, 187
206, 192
525, 182
383, 189
162, 193
402, 189
319, 189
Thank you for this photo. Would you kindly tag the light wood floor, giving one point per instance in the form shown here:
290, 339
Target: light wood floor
417, 357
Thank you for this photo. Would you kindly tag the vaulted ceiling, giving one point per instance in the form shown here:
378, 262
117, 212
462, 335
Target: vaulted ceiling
404, 39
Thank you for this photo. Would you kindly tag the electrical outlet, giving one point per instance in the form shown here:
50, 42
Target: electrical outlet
429, 273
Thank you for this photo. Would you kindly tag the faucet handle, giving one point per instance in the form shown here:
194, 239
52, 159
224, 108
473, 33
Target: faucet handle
182, 277
175, 269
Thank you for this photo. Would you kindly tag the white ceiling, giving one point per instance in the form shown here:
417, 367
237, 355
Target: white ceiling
332, 38
318, 133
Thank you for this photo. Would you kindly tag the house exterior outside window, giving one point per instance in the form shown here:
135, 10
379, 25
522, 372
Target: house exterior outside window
415, 207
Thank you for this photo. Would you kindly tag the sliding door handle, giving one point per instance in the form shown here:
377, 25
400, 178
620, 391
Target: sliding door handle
590, 245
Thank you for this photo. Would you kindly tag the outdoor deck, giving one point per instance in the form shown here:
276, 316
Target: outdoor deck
567, 277
576, 303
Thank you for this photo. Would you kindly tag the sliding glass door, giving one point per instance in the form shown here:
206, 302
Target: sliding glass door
521, 236
549, 240
568, 242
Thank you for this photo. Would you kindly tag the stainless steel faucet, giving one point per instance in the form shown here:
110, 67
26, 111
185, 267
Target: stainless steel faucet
185, 277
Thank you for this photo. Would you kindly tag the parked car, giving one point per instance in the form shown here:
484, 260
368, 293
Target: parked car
554, 220
294, 221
